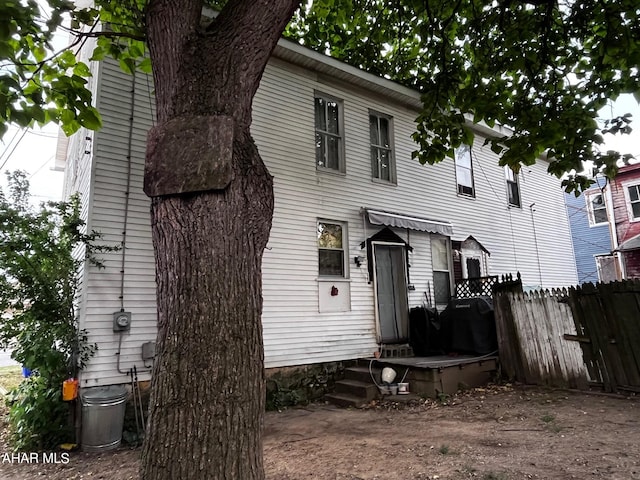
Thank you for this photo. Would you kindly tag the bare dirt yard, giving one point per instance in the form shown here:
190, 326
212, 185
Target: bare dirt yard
496, 433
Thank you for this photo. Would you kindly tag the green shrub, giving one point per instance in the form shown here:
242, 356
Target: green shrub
41, 253
38, 418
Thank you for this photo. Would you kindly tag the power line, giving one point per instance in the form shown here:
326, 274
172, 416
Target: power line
10, 142
13, 149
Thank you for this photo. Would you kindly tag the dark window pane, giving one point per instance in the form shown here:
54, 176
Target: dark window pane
600, 215
633, 193
333, 153
473, 268
385, 165
636, 209
385, 137
441, 287
375, 167
321, 118
514, 193
373, 129
320, 150
464, 190
332, 120
331, 262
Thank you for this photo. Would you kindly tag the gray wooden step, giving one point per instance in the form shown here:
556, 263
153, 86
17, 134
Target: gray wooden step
361, 373
365, 390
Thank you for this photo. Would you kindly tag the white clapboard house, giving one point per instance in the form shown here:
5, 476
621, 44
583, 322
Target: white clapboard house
361, 232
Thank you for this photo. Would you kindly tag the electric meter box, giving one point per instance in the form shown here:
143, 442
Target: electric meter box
121, 321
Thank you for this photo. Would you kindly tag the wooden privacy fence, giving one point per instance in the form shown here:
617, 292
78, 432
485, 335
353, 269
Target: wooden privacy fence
607, 320
531, 330
571, 338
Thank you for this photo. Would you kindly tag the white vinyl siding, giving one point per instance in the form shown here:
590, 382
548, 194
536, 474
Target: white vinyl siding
295, 333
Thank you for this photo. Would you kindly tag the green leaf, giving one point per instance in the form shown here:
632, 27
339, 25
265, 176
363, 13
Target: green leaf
128, 65
90, 118
145, 65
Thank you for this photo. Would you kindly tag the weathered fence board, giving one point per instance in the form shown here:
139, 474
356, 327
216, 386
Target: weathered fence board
531, 338
609, 315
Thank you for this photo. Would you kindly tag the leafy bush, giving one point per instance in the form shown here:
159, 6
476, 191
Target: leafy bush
41, 253
38, 418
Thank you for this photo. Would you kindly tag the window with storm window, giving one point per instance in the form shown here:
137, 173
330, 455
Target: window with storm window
329, 133
381, 138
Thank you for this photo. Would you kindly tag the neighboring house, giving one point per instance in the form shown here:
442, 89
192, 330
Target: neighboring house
624, 192
361, 232
591, 234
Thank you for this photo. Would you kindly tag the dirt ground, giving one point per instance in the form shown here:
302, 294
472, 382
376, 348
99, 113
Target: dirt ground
496, 433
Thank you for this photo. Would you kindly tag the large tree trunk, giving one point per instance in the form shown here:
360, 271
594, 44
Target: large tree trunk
207, 397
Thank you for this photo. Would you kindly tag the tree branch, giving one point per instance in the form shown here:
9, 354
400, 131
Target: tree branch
92, 34
252, 49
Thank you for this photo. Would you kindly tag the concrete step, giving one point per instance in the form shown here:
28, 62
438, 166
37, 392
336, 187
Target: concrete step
361, 373
345, 400
365, 390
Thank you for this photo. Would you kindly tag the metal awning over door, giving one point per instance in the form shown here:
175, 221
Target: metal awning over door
390, 219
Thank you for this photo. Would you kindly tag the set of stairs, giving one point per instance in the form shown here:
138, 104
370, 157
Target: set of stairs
356, 389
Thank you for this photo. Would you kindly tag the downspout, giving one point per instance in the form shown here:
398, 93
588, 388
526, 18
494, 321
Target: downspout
535, 239
613, 233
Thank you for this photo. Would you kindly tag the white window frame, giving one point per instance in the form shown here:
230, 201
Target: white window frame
627, 198
511, 177
344, 249
377, 148
324, 133
589, 198
605, 257
467, 149
449, 270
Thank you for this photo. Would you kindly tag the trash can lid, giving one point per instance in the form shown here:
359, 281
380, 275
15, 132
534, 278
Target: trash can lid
104, 394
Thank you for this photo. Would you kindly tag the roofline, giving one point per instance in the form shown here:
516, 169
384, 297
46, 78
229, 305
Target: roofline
305, 57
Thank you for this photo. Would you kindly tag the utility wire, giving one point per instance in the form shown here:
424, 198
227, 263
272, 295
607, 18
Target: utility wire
13, 149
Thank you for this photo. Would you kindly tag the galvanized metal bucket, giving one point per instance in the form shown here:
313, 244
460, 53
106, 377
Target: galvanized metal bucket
102, 417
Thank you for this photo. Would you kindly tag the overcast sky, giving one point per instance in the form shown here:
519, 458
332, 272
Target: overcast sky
33, 151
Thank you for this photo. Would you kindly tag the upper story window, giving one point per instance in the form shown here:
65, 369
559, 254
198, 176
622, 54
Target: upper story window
596, 208
329, 133
513, 187
633, 198
464, 171
331, 249
381, 133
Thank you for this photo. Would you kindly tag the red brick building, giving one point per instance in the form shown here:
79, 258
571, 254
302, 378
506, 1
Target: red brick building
625, 200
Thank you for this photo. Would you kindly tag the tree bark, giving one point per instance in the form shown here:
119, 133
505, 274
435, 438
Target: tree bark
207, 397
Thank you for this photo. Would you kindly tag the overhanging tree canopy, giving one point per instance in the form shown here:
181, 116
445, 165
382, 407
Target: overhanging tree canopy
544, 68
